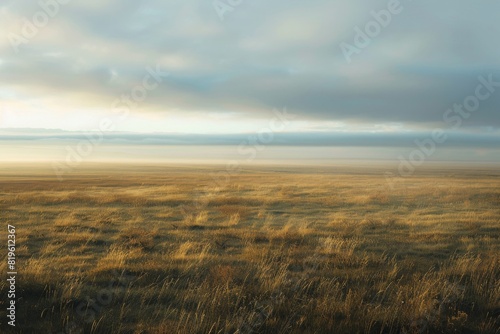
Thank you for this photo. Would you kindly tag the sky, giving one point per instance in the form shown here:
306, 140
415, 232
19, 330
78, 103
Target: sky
322, 73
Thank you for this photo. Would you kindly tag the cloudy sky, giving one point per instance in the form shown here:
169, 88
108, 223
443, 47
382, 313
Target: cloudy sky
221, 72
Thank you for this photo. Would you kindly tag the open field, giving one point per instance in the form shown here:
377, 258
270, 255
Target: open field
157, 249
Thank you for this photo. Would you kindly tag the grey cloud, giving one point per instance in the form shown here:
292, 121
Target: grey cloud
426, 60
337, 139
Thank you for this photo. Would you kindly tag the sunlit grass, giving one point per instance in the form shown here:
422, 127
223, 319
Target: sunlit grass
268, 252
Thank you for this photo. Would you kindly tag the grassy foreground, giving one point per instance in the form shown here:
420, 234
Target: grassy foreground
169, 250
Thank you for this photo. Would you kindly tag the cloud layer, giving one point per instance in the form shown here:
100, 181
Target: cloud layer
263, 55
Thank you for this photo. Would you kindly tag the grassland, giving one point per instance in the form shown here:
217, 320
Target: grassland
157, 249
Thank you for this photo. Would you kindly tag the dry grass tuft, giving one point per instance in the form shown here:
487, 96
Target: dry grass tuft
137, 237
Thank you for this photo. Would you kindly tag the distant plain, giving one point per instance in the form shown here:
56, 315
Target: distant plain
129, 248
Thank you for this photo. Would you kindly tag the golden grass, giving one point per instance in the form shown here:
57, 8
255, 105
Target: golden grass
167, 250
